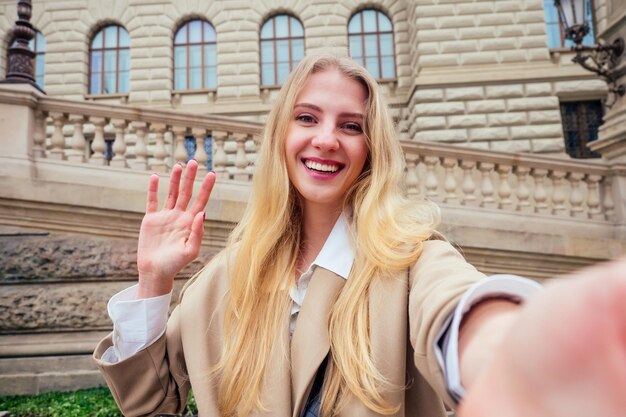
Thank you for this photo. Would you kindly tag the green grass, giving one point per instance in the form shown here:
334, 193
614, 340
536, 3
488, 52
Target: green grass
93, 402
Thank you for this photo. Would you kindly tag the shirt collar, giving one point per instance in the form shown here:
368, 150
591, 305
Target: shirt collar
337, 254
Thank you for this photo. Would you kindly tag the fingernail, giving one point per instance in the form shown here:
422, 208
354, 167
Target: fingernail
203, 216
212, 171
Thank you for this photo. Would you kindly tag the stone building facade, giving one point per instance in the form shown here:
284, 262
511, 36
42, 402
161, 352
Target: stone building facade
473, 73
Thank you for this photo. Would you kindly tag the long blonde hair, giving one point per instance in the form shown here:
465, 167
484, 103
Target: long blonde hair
389, 233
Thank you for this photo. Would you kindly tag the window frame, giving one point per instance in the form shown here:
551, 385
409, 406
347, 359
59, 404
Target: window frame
186, 26
104, 48
274, 40
361, 36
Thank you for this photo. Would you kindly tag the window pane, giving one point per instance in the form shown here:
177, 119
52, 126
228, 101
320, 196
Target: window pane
268, 30
41, 42
95, 87
97, 41
283, 72
124, 38
356, 46
384, 24
210, 77
389, 70
371, 45
359, 61
110, 37
267, 51
386, 44
180, 57
282, 51
372, 66
124, 59
195, 31
109, 82
355, 24
297, 50
210, 55
282, 26
369, 21
39, 81
96, 61
39, 63
195, 78
268, 74
195, 56
110, 61
181, 35
180, 79
123, 82
209, 33
296, 27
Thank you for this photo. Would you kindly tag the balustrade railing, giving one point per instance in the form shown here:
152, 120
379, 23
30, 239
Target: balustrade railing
143, 139
136, 138
526, 183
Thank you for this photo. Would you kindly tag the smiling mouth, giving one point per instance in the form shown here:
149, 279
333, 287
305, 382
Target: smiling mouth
322, 167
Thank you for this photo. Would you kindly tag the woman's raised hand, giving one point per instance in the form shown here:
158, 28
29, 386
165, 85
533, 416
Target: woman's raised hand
170, 238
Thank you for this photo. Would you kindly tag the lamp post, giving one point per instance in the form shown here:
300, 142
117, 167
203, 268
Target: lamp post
20, 57
600, 58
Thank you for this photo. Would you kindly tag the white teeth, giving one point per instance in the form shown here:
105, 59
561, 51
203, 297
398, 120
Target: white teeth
320, 167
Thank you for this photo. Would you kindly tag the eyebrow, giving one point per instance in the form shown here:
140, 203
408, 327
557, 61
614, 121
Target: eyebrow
319, 109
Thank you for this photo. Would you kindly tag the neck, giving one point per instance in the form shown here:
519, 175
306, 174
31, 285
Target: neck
318, 222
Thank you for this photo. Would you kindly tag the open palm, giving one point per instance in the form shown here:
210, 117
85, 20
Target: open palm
565, 356
170, 238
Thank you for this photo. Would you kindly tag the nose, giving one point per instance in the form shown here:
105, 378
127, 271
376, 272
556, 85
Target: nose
326, 139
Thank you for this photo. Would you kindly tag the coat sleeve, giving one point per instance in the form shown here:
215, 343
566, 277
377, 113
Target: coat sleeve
154, 380
437, 282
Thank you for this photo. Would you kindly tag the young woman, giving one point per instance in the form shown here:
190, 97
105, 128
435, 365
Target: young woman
334, 296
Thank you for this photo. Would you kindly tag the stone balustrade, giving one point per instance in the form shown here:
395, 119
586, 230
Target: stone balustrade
143, 139
525, 183
152, 140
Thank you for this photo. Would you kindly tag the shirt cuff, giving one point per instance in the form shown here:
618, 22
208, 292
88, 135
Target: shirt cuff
447, 347
136, 323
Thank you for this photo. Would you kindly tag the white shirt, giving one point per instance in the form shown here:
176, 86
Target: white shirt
139, 323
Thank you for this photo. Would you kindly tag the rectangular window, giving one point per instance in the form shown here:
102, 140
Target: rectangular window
581, 120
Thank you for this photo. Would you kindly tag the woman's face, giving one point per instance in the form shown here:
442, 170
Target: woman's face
325, 147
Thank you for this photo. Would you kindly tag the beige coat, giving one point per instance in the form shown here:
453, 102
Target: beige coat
406, 315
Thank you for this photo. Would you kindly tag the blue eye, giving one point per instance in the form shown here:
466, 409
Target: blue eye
305, 118
353, 127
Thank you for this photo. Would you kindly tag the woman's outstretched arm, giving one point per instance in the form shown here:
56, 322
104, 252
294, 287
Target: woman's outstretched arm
563, 353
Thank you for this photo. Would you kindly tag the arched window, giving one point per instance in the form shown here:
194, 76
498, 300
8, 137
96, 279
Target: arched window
38, 46
109, 65
195, 56
370, 36
282, 47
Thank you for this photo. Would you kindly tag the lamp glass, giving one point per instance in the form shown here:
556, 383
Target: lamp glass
573, 12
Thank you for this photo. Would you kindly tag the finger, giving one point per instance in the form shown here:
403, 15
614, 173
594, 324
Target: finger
172, 195
205, 192
187, 188
153, 188
195, 237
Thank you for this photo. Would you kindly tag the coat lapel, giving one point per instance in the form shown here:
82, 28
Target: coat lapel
310, 342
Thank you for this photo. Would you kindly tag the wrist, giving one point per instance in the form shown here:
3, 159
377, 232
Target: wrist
149, 288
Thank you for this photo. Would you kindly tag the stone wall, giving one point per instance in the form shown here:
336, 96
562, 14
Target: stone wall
54, 281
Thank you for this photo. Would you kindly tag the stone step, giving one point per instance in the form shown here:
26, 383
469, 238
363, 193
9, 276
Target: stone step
37, 363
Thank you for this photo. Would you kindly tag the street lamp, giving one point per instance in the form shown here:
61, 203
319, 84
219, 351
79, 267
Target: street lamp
600, 58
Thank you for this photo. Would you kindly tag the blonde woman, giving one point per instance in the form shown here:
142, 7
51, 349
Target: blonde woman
334, 297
